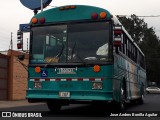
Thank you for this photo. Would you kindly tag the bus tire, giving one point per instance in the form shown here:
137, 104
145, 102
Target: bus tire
141, 99
120, 106
122, 102
54, 106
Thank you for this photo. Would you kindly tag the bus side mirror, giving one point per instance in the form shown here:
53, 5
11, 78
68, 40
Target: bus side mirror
117, 41
21, 57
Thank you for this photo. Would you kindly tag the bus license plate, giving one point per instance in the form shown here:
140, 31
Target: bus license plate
64, 94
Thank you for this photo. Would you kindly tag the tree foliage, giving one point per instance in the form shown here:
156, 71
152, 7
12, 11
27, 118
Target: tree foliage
149, 43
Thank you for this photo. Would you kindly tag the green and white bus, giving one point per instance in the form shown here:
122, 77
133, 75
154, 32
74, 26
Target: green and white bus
83, 54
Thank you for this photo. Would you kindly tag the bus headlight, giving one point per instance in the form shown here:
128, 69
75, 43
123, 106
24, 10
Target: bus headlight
37, 85
97, 85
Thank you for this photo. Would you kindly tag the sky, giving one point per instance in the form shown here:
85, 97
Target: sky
14, 13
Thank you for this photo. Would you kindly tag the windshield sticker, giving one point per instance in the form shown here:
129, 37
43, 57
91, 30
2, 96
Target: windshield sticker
52, 60
44, 73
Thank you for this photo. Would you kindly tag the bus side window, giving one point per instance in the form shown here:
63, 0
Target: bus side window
125, 45
142, 62
136, 55
132, 52
129, 49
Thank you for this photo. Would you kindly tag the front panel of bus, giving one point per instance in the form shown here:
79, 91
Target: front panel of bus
71, 59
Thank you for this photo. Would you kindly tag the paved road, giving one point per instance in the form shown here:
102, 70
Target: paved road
89, 112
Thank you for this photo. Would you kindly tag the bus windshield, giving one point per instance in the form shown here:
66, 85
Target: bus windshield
80, 42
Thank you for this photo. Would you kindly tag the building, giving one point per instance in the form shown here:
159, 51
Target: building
13, 76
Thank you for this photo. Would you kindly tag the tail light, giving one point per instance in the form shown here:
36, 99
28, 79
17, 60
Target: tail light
117, 35
19, 39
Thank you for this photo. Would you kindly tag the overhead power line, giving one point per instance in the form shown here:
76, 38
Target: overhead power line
139, 15
150, 16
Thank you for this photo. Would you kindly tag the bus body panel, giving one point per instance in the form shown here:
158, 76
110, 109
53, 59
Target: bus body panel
79, 85
134, 76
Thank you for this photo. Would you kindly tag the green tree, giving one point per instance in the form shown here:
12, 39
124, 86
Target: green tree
135, 27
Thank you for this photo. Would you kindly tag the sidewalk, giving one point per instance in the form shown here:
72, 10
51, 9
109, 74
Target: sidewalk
18, 103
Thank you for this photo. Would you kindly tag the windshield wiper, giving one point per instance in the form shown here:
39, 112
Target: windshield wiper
60, 53
73, 51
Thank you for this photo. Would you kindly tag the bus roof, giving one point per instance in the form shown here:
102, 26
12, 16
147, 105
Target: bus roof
70, 13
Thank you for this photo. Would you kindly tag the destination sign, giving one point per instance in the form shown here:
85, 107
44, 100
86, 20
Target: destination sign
66, 70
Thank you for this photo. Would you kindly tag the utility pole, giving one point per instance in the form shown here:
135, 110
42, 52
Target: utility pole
41, 5
11, 42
